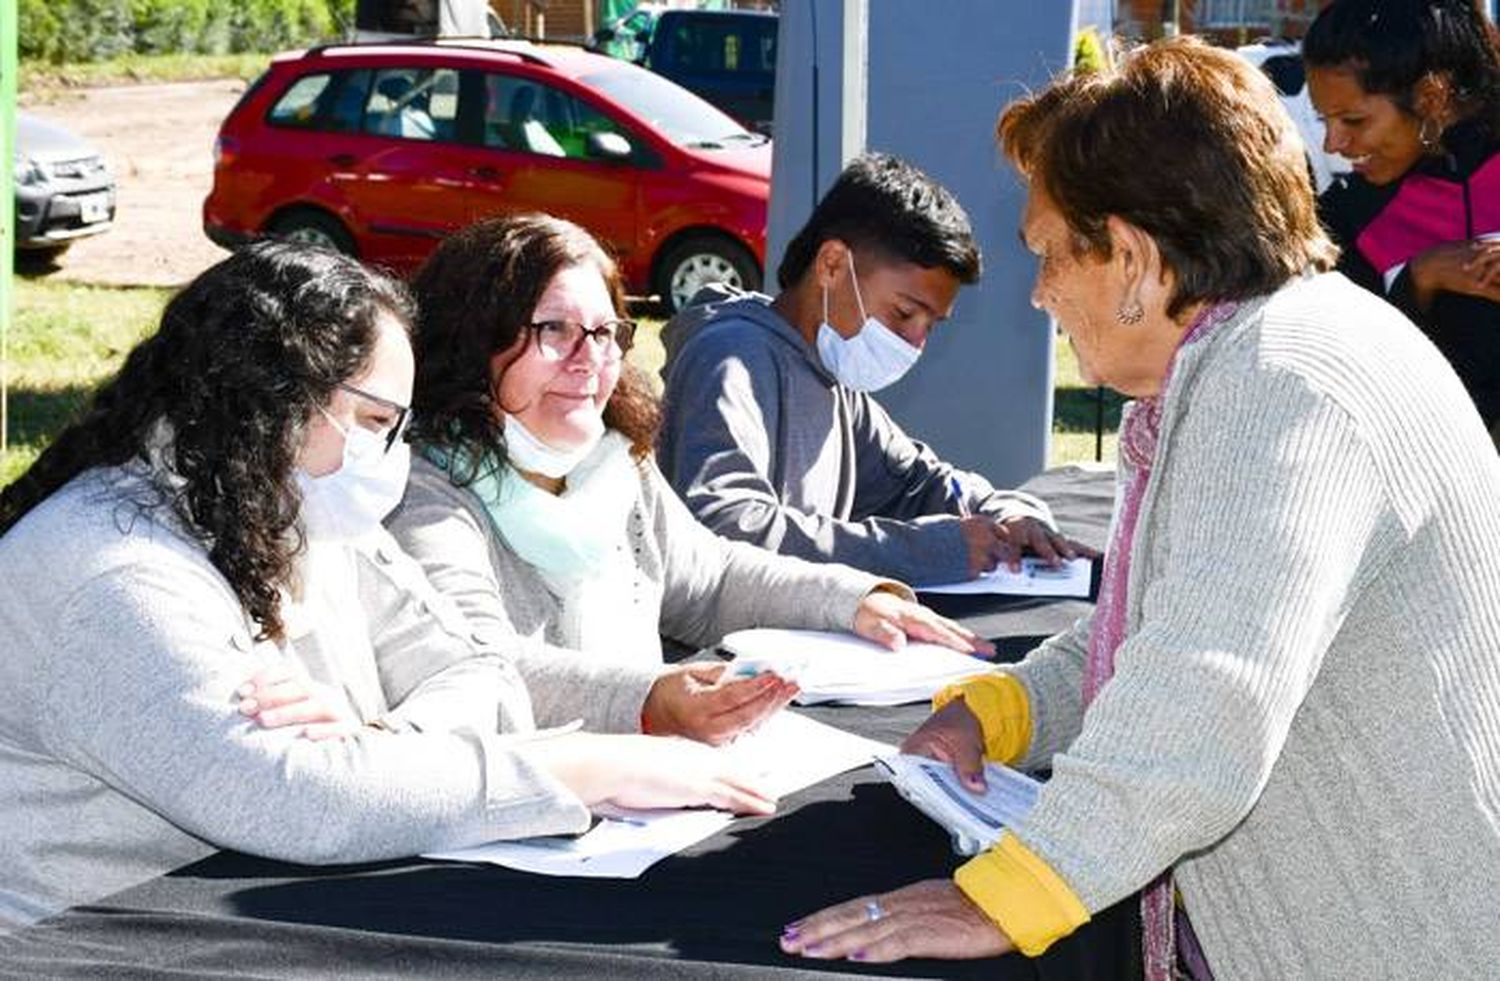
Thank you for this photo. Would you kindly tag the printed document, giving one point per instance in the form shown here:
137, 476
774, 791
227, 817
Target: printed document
974, 820
788, 752
841, 667
1036, 578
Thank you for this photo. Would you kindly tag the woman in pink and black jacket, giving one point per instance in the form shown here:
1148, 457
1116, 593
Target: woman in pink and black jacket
1410, 93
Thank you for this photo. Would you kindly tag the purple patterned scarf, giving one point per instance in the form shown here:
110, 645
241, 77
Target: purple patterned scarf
1139, 430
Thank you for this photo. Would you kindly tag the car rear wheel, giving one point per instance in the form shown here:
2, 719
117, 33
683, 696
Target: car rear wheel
702, 260
312, 227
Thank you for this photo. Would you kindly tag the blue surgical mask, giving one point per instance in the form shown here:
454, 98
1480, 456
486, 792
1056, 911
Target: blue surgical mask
870, 360
352, 501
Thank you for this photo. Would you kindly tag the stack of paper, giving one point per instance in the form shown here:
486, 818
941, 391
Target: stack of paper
840, 667
974, 820
1036, 578
785, 754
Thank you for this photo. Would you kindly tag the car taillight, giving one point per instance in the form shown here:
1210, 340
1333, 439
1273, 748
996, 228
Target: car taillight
225, 150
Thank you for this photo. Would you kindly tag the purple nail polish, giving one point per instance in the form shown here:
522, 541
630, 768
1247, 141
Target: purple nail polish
790, 932
856, 955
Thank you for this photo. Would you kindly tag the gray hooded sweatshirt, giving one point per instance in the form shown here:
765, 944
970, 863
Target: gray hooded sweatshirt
765, 446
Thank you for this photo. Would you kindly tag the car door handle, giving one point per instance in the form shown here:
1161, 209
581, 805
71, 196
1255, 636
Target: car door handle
343, 159
485, 172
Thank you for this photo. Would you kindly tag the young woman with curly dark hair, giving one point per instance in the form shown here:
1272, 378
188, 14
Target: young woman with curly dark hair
215, 516
537, 508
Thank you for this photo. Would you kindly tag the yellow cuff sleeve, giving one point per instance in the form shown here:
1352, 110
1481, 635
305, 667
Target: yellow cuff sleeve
1000, 704
1030, 903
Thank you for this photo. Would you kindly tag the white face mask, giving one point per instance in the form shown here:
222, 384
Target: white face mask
870, 360
528, 452
352, 500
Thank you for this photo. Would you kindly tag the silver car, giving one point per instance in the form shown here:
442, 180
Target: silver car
64, 189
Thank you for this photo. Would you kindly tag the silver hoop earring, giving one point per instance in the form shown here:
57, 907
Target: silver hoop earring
1130, 312
1429, 142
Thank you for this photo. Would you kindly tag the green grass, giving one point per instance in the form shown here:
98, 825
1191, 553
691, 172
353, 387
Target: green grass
40, 79
67, 338
1075, 408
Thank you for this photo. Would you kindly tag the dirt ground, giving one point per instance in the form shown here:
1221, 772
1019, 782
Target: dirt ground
159, 141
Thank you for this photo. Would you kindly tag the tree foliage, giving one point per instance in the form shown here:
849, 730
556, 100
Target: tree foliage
91, 30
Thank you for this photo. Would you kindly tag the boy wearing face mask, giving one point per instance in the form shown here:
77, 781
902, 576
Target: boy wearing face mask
770, 431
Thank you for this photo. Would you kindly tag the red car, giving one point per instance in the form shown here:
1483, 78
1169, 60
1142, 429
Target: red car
380, 150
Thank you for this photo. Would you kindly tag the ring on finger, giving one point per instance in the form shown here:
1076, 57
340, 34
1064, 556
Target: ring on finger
874, 911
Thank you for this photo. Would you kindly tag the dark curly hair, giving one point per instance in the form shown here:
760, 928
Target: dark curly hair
243, 355
1391, 45
475, 295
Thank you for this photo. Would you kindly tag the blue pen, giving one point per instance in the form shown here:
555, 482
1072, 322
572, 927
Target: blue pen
956, 489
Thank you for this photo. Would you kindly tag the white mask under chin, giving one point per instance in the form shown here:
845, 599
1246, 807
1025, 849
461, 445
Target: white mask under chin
528, 452
355, 498
870, 360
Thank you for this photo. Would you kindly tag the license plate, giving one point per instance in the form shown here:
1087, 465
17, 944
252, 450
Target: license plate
93, 208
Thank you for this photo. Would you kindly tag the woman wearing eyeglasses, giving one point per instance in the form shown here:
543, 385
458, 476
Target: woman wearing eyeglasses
215, 516
535, 505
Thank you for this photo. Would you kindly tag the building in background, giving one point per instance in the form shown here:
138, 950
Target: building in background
1230, 22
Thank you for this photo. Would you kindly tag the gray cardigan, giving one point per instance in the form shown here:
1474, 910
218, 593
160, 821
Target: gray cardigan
765, 446
122, 754
1305, 715
699, 585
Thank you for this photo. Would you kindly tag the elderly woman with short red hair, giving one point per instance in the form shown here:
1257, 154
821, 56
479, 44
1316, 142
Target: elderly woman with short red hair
1283, 709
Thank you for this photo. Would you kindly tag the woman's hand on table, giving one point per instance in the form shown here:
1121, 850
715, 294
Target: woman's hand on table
284, 695
954, 736
932, 918
648, 772
707, 702
890, 621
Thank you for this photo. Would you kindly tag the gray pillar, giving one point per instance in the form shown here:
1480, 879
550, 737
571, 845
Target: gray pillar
935, 77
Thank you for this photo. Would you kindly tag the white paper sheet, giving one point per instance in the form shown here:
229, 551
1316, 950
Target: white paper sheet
975, 821
787, 753
843, 668
1036, 578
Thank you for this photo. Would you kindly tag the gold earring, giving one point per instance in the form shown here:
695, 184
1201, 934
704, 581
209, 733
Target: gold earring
1429, 142
1130, 312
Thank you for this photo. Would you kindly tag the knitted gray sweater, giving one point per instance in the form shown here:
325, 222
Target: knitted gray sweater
122, 754
1305, 714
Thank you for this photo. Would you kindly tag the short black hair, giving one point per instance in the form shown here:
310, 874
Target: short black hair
884, 205
1392, 44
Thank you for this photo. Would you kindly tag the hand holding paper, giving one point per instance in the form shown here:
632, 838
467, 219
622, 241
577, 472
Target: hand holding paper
952, 735
976, 821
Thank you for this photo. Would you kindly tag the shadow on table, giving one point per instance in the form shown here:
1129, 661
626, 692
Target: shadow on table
722, 904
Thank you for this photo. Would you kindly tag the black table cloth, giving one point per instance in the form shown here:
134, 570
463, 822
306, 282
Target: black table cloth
714, 910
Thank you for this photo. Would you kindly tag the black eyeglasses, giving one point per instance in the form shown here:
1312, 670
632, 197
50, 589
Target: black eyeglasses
403, 412
561, 339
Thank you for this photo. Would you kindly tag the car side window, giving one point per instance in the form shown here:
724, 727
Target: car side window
298, 105
333, 102
413, 103
532, 117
